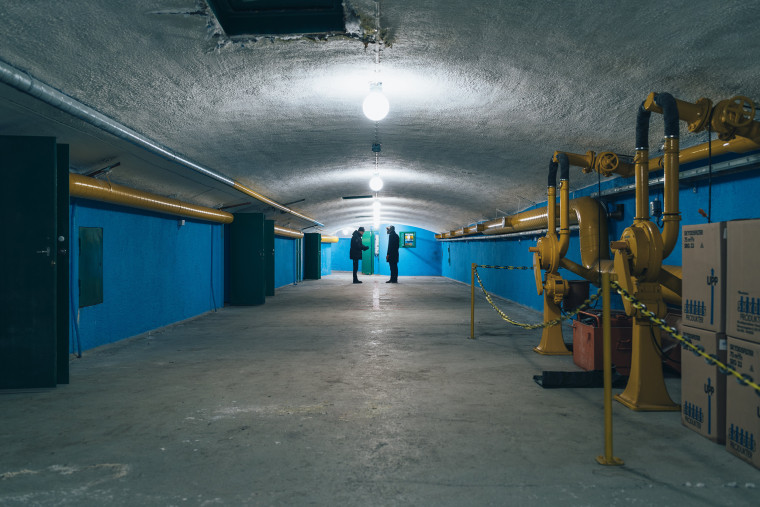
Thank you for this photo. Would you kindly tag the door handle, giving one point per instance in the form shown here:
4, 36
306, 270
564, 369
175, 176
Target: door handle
45, 251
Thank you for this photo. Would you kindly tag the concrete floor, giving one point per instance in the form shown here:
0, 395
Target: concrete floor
340, 394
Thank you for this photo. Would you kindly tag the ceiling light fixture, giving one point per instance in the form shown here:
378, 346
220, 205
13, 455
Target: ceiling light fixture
376, 183
376, 105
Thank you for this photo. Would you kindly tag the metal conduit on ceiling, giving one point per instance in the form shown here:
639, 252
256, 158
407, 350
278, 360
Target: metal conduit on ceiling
31, 86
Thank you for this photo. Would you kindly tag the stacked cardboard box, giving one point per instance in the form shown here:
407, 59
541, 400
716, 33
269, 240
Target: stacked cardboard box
743, 329
703, 387
704, 276
743, 287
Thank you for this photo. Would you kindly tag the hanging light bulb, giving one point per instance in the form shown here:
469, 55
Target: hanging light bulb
376, 184
376, 106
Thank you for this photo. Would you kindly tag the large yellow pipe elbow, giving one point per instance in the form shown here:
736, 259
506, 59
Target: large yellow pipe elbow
98, 190
591, 218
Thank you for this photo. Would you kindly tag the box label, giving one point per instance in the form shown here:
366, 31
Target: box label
742, 441
748, 309
690, 237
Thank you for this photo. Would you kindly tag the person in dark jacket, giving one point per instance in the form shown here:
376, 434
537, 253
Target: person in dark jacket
392, 254
356, 250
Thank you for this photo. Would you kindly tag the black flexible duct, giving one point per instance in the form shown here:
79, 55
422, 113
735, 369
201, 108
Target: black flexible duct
553, 174
669, 113
564, 166
642, 128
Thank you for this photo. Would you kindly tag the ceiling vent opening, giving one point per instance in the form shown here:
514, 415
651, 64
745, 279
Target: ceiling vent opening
277, 17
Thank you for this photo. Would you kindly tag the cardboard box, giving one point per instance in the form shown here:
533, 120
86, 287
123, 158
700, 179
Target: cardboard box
704, 276
742, 402
703, 387
743, 279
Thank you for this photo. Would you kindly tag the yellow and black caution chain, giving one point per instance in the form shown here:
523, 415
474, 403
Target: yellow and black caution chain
711, 359
540, 325
502, 267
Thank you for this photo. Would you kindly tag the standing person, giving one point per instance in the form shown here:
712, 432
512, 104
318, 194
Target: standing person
392, 254
356, 250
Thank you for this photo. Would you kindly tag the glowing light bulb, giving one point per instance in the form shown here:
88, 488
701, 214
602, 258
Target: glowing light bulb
376, 183
376, 106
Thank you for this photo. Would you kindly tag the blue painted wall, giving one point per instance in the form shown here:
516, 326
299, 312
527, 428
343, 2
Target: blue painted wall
727, 197
423, 260
284, 261
155, 272
327, 258
339, 256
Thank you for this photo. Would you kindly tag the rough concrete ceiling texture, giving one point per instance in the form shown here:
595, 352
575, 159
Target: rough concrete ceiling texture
481, 94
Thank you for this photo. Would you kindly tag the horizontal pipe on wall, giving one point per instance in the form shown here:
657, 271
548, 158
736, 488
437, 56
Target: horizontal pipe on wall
97, 190
287, 233
714, 148
329, 239
735, 165
35, 88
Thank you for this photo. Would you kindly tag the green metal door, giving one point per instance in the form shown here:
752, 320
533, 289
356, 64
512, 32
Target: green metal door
368, 256
312, 253
269, 255
28, 320
62, 265
247, 262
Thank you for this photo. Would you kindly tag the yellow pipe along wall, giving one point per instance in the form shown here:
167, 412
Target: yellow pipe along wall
97, 190
287, 233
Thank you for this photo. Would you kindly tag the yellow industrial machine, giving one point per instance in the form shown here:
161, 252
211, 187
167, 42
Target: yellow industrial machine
642, 247
639, 253
638, 257
547, 254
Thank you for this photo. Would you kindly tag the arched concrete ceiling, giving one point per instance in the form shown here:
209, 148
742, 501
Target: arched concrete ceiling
481, 94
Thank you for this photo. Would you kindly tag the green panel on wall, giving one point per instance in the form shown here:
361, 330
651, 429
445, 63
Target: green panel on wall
269, 255
368, 256
62, 264
28, 300
247, 260
90, 266
312, 256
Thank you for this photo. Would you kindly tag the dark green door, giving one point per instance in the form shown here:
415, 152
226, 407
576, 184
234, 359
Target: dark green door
269, 255
62, 265
28, 340
247, 260
312, 256
368, 256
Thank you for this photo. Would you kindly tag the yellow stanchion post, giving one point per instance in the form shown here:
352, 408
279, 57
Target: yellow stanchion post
607, 458
472, 303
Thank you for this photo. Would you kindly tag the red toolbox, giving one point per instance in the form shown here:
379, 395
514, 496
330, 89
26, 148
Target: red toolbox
587, 340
